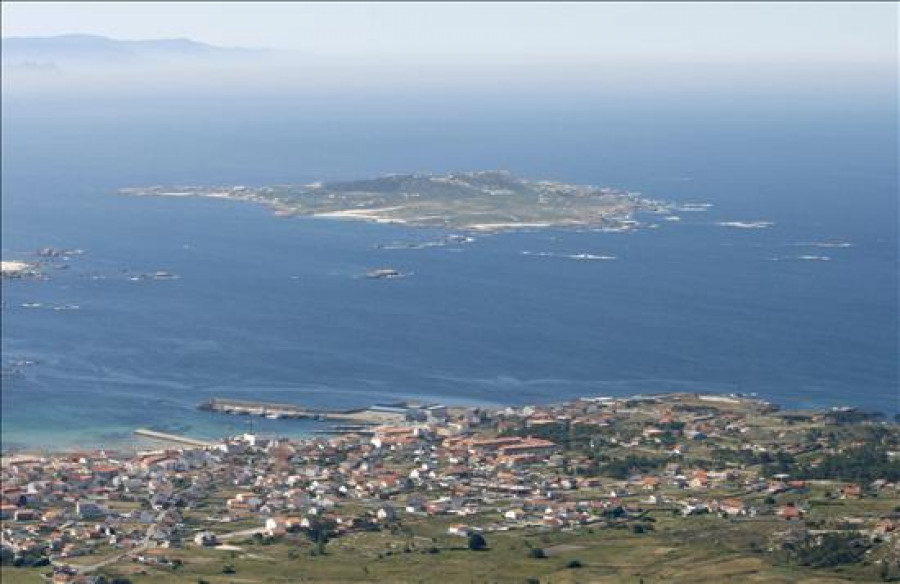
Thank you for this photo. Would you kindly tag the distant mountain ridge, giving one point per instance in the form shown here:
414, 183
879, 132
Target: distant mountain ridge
73, 50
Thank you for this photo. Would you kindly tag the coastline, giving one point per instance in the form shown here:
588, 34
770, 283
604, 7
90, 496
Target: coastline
653, 470
135, 442
820, 392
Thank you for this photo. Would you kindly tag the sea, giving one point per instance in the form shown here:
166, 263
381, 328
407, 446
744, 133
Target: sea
801, 310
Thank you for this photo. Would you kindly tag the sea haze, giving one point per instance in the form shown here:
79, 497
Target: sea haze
277, 309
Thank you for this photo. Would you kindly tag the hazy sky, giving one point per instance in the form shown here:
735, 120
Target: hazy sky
826, 32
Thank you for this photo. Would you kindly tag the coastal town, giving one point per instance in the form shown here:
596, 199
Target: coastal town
789, 491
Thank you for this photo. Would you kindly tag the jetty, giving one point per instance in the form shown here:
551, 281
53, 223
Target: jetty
375, 414
165, 437
361, 429
253, 408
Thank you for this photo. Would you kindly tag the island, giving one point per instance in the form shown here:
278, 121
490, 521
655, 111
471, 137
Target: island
384, 274
483, 201
16, 269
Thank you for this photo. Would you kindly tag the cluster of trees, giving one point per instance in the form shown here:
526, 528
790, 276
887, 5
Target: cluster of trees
779, 462
847, 417
827, 551
562, 433
673, 426
749, 457
622, 468
29, 559
862, 464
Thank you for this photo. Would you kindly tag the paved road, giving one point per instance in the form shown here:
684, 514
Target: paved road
86, 569
238, 534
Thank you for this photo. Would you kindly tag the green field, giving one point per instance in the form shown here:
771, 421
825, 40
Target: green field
698, 550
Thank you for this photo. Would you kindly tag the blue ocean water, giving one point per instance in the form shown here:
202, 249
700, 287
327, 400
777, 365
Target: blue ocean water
273, 308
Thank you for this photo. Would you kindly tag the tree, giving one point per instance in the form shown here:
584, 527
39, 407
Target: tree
890, 571
320, 531
477, 542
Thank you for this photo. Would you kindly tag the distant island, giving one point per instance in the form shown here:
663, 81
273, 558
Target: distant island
13, 269
474, 201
